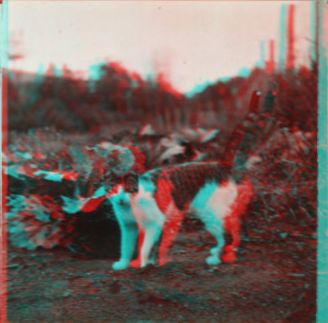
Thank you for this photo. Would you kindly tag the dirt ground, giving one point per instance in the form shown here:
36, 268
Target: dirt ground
273, 281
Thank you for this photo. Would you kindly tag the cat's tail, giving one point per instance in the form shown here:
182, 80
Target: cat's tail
247, 134
236, 137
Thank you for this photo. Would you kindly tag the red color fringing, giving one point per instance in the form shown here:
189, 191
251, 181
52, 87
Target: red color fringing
166, 86
290, 63
270, 65
3, 249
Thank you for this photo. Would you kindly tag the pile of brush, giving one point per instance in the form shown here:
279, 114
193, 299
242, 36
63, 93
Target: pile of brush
286, 186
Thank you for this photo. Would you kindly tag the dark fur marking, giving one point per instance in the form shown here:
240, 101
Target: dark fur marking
188, 179
130, 182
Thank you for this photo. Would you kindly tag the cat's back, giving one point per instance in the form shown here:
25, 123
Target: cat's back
185, 180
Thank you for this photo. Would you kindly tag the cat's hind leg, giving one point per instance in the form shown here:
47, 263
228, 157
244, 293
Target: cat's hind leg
232, 222
212, 204
232, 226
215, 226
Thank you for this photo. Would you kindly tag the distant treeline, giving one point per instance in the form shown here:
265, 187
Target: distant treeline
72, 104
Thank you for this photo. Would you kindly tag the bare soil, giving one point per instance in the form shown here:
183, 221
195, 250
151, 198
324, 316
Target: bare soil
272, 281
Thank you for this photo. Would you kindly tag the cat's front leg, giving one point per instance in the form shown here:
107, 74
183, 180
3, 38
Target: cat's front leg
129, 234
136, 263
214, 259
153, 231
122, 264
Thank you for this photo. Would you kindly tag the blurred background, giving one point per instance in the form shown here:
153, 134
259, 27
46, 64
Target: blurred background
86, 67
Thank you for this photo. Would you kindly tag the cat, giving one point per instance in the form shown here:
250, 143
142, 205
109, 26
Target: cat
217, 192
164, 196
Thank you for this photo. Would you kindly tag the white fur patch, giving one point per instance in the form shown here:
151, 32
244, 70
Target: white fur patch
145, 207
214, 199
121, 202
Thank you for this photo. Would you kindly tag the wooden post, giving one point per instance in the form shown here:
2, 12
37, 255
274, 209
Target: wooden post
290, 63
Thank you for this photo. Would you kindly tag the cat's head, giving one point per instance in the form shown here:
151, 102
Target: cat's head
123, 188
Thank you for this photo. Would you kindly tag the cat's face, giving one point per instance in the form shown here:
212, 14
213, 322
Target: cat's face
119, 195
122, 192
130, 183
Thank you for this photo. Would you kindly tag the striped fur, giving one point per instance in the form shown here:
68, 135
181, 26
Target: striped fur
187, 179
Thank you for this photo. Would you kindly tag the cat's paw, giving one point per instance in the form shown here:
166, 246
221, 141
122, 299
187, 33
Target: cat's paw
229, 249
214, 251
229, 257
213, 261
135, 263
120, 265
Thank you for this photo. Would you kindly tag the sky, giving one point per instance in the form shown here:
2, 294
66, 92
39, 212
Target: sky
190, 42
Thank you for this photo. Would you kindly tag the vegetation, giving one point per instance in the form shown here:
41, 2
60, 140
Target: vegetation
68, 137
